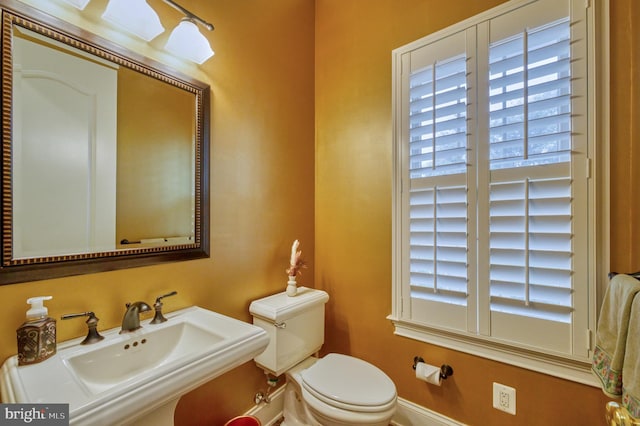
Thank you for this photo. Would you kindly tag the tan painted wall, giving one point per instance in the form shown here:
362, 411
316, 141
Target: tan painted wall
353, 206
625, 135
262, 171
262, 80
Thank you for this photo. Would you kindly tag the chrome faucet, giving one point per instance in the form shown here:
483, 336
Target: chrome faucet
131, 319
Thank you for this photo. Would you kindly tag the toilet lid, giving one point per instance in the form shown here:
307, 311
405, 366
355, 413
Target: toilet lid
344, 380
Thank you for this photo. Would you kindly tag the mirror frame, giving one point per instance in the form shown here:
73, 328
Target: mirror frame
41, 268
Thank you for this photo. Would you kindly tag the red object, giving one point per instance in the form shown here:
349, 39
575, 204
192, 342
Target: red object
243, 421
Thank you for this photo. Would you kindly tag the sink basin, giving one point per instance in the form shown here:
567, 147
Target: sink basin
113, 364
133, 378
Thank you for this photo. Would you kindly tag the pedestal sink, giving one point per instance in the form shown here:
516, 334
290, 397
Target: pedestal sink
137, 377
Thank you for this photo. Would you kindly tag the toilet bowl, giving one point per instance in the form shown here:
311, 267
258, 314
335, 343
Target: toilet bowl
338, 390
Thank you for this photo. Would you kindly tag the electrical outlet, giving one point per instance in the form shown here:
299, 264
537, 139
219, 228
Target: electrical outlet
504, 398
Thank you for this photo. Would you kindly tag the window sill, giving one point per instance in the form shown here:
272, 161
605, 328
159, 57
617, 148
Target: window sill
564, 368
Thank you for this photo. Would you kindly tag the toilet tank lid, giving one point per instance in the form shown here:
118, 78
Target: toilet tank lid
280, 307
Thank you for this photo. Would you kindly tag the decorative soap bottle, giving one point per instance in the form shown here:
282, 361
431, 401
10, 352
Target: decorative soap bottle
37, 335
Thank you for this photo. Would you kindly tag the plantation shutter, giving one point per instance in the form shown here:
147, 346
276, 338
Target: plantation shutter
531, 193
494, 182
438, 185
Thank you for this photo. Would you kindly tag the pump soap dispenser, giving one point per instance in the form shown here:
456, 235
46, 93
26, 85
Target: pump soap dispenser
37, 335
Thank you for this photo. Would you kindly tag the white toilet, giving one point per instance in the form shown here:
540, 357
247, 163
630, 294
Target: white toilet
330, 391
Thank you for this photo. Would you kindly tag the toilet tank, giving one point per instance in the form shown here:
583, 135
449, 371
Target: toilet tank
294, 324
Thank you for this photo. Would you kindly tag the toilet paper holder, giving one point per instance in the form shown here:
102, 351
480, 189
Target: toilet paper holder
445, 370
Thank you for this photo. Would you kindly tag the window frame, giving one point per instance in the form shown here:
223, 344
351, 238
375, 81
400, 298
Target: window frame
566, 367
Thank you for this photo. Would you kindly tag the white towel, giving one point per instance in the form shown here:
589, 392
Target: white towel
611, 335
631, 366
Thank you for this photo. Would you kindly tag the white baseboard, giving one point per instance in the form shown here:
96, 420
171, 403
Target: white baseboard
410, 414
407, 414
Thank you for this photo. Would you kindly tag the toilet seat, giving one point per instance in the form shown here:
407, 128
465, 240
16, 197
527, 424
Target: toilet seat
349, 383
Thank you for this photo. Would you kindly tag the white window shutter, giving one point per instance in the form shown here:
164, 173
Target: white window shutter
531, 193
492, 225
438, 186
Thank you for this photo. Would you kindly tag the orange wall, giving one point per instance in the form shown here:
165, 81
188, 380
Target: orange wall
625, 135
262, 178
262, 172
353, 207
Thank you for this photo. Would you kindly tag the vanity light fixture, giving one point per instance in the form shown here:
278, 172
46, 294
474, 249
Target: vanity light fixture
80, 4
134, 16
186, 41
137, 17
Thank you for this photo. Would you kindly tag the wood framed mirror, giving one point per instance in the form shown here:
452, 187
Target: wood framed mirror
105, 154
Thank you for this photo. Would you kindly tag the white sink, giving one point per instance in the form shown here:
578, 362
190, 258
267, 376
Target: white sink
113, 364
135, 377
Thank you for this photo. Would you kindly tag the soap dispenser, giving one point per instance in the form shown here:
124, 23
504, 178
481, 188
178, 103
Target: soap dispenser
37, 335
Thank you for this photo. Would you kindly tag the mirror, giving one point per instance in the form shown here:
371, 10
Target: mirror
105, 154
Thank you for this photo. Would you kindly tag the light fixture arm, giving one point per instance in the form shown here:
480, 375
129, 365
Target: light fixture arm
190, 15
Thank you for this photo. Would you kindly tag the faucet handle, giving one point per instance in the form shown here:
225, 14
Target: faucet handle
92, 322
159, 318
159, 298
